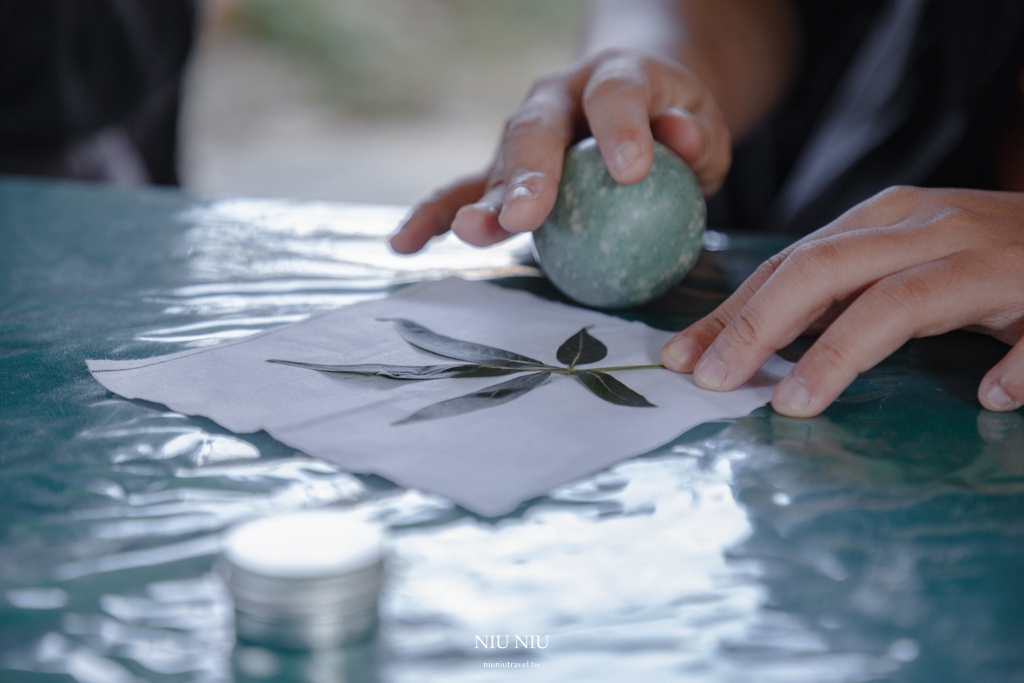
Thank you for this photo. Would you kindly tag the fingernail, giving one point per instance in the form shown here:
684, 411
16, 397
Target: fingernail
791, 393
998, 397
710, 372
519, 192
625, 156
487, 207
682, 351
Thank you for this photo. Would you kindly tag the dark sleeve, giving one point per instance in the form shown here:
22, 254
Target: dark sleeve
956, 96
830, 34
71, 68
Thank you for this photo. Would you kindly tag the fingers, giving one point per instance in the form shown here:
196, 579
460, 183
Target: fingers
890, 207
478, 223
901, 242
683, 351
532, 151
616, 103
1002, 388
630, 100
941, 260
703, 143
922, 301
812, 278
627, 101
434, 216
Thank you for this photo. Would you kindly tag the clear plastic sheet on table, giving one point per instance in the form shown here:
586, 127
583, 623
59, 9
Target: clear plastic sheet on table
880, 541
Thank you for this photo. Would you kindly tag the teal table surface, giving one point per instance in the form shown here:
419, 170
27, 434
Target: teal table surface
883, 540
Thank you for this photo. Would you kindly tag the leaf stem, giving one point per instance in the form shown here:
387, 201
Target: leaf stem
573, 371
627, 367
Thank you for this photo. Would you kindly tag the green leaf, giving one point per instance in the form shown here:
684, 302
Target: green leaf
485, 398
404, 371
581, 349
425, 339
606, 387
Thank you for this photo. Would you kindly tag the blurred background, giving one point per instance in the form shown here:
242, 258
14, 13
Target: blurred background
359, 100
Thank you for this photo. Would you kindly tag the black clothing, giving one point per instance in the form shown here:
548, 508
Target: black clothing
953, 97
90, 88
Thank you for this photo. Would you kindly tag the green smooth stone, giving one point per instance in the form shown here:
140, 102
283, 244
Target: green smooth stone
608, 245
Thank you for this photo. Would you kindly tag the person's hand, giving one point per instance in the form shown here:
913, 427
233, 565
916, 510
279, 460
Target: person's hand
624, 99
907, 263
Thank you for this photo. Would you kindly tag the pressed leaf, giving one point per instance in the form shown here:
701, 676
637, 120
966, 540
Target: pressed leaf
580, 349
425, 339
484, 398
404, 371
606, 387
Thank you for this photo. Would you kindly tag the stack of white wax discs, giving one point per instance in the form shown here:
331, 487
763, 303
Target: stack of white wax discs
304, 580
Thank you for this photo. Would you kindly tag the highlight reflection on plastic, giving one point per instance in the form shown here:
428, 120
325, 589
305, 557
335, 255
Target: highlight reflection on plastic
767, 549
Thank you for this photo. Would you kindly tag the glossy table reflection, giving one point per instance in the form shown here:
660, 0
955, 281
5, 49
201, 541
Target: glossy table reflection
883, 540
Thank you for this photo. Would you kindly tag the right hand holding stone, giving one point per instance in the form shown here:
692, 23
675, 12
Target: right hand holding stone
624, 99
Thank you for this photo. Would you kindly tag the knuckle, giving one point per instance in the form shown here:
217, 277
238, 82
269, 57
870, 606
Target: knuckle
544, 83
617, 58
896, 203
617, 73
899, 193
556, 81
833, 356
904, 295
713, 324
747, 327
673, 85
775, 262
956, 220
707, 329
526, 119
816, 260
652, 67
607, 54
766, 270
611, 85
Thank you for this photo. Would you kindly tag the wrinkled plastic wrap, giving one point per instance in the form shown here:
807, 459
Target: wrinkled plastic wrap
881, 540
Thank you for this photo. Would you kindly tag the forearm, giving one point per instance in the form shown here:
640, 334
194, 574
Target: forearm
745, 51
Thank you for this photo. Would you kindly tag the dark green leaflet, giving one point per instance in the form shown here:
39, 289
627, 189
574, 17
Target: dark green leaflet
606, 387
488, 361
404, 371
425, 339
581, 349
484, 398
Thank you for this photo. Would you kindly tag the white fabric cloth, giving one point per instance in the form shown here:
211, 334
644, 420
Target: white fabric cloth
489, 460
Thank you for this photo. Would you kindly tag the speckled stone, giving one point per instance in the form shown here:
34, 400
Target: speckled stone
608, 245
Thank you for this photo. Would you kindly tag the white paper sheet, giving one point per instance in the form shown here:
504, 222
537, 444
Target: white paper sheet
489, 460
